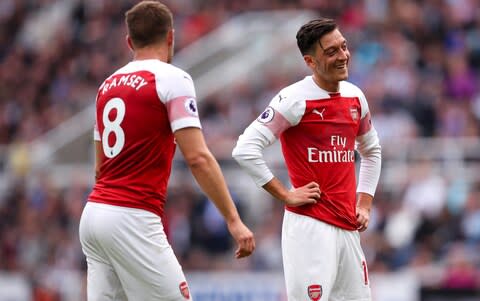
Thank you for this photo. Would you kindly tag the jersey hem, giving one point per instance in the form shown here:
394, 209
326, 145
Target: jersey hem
343, 226
156, 212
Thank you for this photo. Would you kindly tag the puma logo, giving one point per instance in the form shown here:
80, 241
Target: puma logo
319, 113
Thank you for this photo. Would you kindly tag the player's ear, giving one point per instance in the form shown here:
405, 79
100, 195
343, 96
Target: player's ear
170, 37
309, 61
129, 42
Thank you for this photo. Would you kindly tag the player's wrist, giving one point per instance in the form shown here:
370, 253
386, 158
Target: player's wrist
232, 218
284, 197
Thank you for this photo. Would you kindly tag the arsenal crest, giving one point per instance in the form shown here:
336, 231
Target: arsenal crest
315, 292
184, 290
354, 113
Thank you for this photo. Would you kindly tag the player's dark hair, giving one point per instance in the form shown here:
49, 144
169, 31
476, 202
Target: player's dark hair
310, 33
148, 23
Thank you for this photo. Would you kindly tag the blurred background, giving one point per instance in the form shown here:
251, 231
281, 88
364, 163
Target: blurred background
418, 63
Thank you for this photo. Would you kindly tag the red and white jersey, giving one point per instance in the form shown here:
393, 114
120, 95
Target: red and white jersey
318, 133
137, 110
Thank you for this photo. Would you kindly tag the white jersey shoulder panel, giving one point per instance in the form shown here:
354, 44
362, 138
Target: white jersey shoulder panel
347, 89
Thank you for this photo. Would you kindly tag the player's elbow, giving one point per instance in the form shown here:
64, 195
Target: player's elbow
236, 154
369, 145
240, 154
199, 160
374, 151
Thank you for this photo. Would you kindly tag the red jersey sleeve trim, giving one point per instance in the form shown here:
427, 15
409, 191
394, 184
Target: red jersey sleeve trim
365, 124
278, 124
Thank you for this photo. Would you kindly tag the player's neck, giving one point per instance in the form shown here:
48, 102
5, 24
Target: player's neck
330, 87
151, 53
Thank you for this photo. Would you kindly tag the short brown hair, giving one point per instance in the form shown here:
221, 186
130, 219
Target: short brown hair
310, 33
148, 23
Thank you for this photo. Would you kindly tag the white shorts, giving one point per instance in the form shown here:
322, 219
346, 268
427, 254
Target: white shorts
322, 262
128, 256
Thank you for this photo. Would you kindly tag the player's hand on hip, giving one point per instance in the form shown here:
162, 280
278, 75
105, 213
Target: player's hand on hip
307, 194
363, 218
244, 238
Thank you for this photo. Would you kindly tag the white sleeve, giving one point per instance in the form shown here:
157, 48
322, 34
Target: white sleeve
365, 110
177, 91
370, 151
96, 132
249, 154
281, 114
368, 146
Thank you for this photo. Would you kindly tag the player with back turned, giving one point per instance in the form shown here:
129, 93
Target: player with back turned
143, 110
320, 121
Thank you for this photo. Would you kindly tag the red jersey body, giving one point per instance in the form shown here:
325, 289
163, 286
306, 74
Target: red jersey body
137, 110
318, 132
321, 149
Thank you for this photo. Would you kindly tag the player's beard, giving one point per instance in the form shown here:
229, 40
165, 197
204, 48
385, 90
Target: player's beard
343, 74
337, 75
331, 72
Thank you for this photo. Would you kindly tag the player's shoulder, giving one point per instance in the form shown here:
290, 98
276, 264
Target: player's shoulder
298, 91
349, 89
299, 87
157, 67
171, 71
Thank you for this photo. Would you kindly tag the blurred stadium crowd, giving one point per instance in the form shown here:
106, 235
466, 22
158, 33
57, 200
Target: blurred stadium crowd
417, 61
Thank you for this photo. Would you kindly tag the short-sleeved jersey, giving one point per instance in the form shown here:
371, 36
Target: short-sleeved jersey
317, 131
137, 110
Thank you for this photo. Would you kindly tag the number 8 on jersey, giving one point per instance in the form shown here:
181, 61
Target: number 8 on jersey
113, 127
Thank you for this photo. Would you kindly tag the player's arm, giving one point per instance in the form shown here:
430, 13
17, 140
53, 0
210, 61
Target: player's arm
208, 175
98, 150
248, 152
364, 205
307, 194
98, 158
370, 151
368, 146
